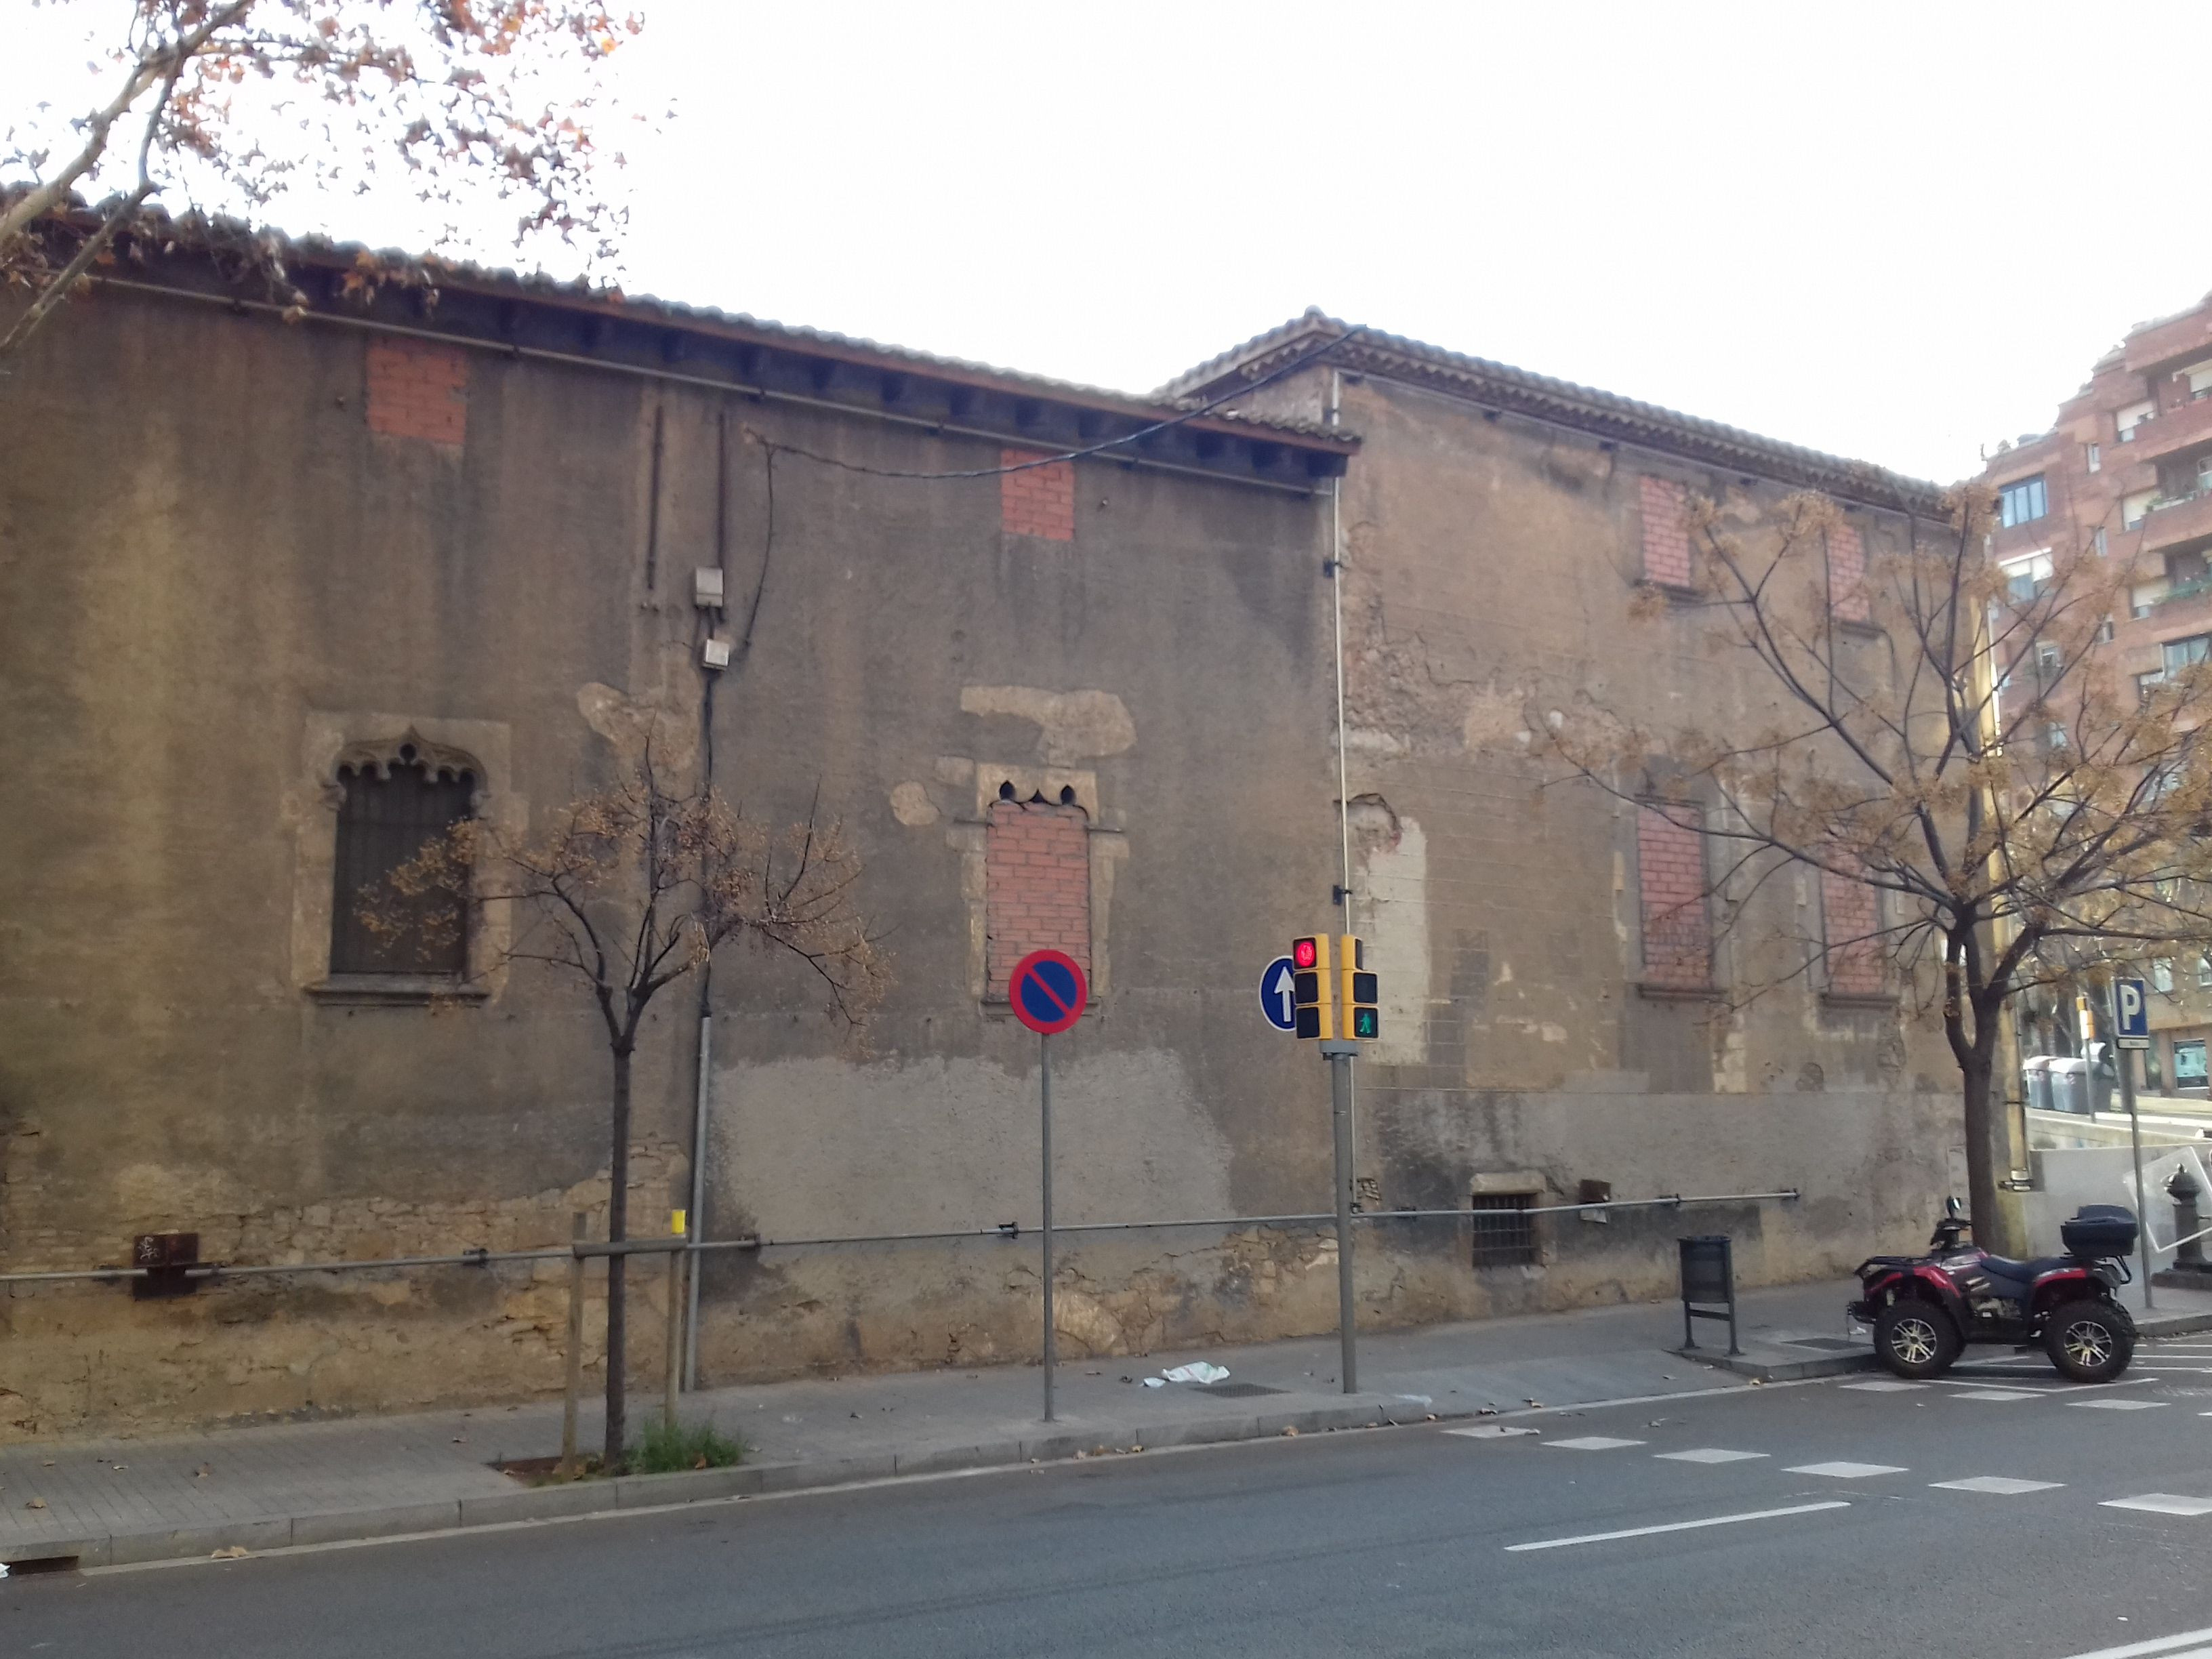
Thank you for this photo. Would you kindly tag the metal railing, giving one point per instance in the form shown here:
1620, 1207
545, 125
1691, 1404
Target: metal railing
584, 1250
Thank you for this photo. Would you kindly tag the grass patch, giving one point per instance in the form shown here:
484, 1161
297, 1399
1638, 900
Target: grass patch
665, 1448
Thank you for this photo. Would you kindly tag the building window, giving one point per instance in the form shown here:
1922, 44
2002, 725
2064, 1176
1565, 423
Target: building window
2127, 420
2054, 735
2026, 576
2147, 684
392, 809
2180, 653
2204, 973
1850, 913
2095, 459
1504, 1231
2097, 541
2133, 508
2047, 659
2161, 976
2105, 631
2022, 502
1036, 872
1670, 863
2188, 1073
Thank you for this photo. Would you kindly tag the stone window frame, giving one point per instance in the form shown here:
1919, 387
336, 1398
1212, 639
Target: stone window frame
970, 832
335, 738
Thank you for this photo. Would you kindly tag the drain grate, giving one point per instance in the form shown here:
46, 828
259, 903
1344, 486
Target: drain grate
1843, 1344
1237, 1390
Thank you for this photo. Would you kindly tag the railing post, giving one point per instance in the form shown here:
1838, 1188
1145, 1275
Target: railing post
579, 1223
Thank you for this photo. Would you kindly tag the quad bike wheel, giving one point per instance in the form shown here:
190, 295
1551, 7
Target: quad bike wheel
2089, 1341
1915, 1338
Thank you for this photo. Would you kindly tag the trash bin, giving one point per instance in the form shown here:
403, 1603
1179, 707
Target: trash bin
2069, 1086
2035, 1072
1707, 1285
2104, 1078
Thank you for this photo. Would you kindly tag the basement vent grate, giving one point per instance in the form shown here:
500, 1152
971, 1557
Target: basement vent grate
1237, 1390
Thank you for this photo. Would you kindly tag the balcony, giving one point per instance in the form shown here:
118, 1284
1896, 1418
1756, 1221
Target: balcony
2177, 523
2185, 339
2176, 429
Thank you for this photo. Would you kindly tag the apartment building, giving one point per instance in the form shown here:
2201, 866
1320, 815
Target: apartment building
2126, 472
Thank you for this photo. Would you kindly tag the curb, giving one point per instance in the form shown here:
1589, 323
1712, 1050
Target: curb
1766, 1366
256, 1534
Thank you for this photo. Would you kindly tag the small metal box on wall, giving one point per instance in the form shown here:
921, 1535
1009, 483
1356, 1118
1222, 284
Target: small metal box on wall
165, 1257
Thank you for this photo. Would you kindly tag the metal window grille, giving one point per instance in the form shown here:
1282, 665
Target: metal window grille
388, 815
1504, 1231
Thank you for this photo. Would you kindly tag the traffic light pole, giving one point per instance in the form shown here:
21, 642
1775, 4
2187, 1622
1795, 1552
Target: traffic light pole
1340, 1055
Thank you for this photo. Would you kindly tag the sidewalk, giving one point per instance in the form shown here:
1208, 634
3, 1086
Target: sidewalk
153, 1499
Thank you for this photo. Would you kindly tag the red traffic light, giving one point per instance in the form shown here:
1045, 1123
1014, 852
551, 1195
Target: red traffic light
1304, 953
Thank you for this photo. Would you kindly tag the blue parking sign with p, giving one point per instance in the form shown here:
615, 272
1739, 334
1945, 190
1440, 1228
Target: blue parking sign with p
2132, 1012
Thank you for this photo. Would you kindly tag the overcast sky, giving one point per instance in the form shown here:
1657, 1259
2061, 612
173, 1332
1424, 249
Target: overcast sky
1899, 232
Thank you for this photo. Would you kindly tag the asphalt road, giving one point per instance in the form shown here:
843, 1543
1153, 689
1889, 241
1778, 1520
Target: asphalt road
1838, 1535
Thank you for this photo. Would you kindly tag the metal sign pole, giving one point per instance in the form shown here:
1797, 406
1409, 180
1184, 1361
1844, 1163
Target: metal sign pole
2134, 1134
1339, 1092
1044, 1102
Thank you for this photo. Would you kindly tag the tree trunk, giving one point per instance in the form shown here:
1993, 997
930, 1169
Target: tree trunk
1988, 1162
618, 1230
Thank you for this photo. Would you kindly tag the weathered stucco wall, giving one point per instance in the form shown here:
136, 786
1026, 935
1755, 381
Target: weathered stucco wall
214, 571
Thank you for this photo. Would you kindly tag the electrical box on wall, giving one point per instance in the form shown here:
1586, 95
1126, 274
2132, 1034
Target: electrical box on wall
164, 1257
707, 588
715, 653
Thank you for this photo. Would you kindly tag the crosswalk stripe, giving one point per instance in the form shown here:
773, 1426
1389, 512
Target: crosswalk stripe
2002, 1485
1883, 1387
2117, 1404
2162, 1503
1846, 1471
1999, 1394
1708, 1455
2159, 1645
1592, 1443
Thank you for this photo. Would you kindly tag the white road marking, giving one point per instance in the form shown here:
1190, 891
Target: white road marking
2164, 1645
2003, 1485
1677, 1526
2162, 1503
1492, 1431
1708, 1455
2117, 1404
1884, 1388
1845, 1471
1592, 1443
1994, 1394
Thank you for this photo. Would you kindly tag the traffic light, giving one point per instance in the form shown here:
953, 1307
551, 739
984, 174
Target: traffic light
1362, 1019
1313, 994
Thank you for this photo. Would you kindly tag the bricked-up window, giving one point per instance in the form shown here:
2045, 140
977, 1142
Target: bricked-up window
1666, 533
1670, 864
1847, 574
1038, 500
389, 814
1848, 912
418, 389
1504, 1231
1036, 866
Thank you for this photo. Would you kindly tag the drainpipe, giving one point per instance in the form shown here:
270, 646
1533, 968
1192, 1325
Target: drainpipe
1343, 773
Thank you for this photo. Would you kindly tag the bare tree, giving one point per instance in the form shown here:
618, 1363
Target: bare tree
627, 891
1958, 740
445, 100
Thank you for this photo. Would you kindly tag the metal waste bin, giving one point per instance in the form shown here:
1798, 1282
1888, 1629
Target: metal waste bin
2069, 1086
1708, 1278
2035, 1072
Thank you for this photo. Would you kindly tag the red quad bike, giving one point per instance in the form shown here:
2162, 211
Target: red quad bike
1925, 1309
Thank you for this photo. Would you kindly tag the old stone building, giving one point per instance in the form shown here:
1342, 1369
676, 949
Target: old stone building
285, 593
